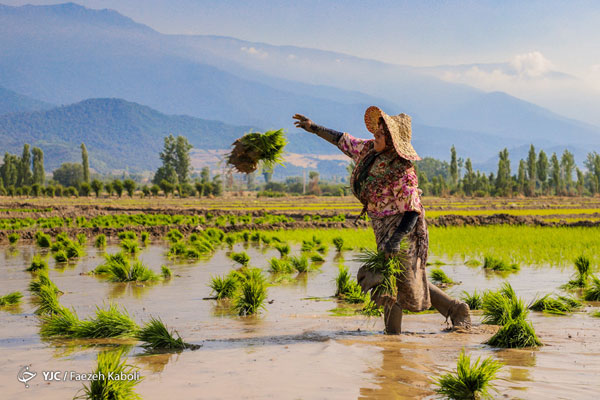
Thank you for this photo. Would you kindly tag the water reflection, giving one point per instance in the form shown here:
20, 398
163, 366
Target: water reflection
156, 362
134, 289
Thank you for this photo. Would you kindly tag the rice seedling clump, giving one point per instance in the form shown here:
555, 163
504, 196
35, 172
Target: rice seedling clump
119, 268
174, 235
555, 305
516, 333
81, 239
471, 381
473, 300
100, 241
390, 268
156, 335
283, 249
43, 240
166, 272
254, 148
37, 263
582, 273
338, 242
592, 293
280, 266
224, 287
497, 264
103, 388
438, 276
13, 238
242, 258
251, 296
10, 299
299, 263
130, 246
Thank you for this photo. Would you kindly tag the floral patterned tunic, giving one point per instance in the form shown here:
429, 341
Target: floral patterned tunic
391, 186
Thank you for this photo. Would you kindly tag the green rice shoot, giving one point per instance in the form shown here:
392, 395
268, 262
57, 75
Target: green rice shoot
11, 299
438, 276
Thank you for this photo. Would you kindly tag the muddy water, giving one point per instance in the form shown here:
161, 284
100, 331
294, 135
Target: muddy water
296, 349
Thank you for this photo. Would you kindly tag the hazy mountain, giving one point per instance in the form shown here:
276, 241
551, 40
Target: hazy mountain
11, 102
118, 134
67, 53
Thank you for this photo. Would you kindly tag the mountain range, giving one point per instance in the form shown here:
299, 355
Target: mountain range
135, 84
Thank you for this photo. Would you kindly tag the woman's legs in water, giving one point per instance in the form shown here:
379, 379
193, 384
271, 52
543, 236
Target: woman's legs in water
456, 310
392, 317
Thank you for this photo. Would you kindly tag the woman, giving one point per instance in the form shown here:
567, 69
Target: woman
385, 182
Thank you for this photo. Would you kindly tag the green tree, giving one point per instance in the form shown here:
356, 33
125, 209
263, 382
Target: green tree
521, 177
592, 163
85, 163
108, 187
167, 187
9, 170
580, 181
85, 189
24, 176
69, 174
531, 171
182, 165
453, 166
129, 186
555, 178
96, 187
470, 179
118, 187
175, 158
567, 166
542, 169
39, 175
503, 180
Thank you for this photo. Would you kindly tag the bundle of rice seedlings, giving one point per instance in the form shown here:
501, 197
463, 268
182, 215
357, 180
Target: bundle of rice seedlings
275, 239
103, 388
72, 250
390, 268
473, 263
136, 272
166, 272
299, 263
242, 258
559, 305
42, 280
230, 240
10, 299
308, 245
203, 246
47, 299
177, 249
224, 287
192, 253
438, 276
245, 235
317, 258
62, 323
107, 323
37, 263
596, 314
283, 249
174, 235
145, 238
265, 239
254, 148
61, 256
501, 306
322, 249
130, 246
256, 237
131, 235
496, 264
354, 294
251, 296
317, 240
100, 241
371, 309
81, 239
338, 242
592, 293
474, 300
43, 240
278, 266
582, 273
342, 281
156, 336
215, 235
471, 381
515, 333
13, 238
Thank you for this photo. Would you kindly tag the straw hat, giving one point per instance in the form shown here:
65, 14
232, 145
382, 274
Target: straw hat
399, 127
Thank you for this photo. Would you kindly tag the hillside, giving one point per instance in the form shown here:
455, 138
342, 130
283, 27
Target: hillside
11, 102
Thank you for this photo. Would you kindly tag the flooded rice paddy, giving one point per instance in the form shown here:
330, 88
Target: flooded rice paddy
296, 348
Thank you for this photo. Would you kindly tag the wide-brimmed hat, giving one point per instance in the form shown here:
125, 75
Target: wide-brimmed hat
399, 127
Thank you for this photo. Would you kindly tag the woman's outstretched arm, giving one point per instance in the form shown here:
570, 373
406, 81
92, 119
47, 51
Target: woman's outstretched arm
332, 136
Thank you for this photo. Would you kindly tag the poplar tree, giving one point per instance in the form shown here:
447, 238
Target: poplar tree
85, 164
521, 176
542, 169
25, 176
503, 182
556, 180
567, 164
39, 175
453, 166
531, 171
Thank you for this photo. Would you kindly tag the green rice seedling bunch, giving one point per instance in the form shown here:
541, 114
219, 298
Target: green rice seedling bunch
280, 266
554, 305
251, 296
317, 240
471, 381
582, 273
130, 246
592, 292
501, 306
342, 281
194, 237
371, 309
230, 240
390, 268
42, 280
276, 239
37, 263
61, 256
473, 300
437, 275
317, 258
322, 249
265, 239
203, 245
354, 294
174, 235
338, 242
102, 388
224, 287
156, 335
13, 238
73, 250
10, 299
254, 148
515, 333
192, 253
145, 238
307, 245
131, 272
63, 323
43, 240
246, 236
47, 300
256, 237
596, 314
246, 273
214, 235
497, 264
241, 258
81, 239
111, 259
166, 272
283, 249
299, 263
473, 263
177, 249
107, 323
127, 235
100, 241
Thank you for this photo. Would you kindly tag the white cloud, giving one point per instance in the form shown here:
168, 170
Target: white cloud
253, 51
531, 65
292, 57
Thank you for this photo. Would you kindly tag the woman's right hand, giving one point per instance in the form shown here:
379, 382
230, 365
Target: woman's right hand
303, 122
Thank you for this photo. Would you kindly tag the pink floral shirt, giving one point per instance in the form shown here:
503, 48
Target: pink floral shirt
391, 186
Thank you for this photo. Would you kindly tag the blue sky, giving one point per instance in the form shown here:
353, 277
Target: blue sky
532, 39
